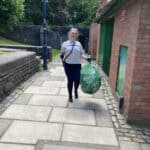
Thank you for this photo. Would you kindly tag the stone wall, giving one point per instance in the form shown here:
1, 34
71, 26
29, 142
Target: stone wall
16, 67
37, 49
32, 34
29, 34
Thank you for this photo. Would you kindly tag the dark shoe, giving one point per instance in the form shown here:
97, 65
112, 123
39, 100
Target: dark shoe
76, 95
70, 99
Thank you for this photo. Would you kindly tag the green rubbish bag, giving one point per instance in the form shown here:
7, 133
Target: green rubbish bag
90, 79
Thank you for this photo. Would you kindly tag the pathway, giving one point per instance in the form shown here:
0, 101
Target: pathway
38, 116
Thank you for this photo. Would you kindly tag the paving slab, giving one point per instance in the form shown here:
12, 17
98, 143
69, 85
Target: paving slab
89, 134
23, 99
103, 118
48, 100
42, 77
57, 71
98, 94
74, 116
41, 80
89, 103
64, 84
145, 146
126, 145
50, 78
60, 145
56, 78
64, 91
42, 90
44, 73
4, 124
28, 132
4, 146
24, 112
38, 82
56, 84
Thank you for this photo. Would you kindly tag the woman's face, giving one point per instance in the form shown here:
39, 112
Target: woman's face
73, 34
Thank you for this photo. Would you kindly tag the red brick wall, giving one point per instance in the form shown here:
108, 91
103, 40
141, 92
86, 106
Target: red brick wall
140, 96
125, 33
94, 39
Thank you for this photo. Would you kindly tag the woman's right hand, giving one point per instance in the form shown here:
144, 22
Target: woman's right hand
89, 59
61, 56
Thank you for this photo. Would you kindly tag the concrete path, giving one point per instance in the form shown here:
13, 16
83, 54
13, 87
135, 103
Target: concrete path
38, 116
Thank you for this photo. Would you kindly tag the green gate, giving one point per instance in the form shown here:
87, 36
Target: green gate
121, 70
102, 44
106, 35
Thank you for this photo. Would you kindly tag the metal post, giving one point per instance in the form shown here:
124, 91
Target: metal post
74, 17
44, 37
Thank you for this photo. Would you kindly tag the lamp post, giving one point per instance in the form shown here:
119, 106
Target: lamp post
74, 17
45, 51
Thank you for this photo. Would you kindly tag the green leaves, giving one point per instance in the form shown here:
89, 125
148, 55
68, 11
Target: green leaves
11, 13
85, 11
56, 12
59, 12
62, 12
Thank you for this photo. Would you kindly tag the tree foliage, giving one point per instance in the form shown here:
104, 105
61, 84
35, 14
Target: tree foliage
11, 13
59, 12
82, 11
62, 12
33, 11
56, 12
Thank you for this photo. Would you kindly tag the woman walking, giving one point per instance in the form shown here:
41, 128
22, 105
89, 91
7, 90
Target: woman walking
71, 53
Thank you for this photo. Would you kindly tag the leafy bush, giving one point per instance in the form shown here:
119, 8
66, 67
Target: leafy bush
11, 13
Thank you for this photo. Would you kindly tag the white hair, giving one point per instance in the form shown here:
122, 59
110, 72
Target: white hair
74, 29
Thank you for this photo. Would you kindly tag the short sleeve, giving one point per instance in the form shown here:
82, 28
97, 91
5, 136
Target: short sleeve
81, 48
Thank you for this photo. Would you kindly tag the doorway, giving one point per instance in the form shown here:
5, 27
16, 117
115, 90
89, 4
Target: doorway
123, 55
106, 37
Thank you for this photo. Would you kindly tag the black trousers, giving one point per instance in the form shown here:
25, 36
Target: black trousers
73, 76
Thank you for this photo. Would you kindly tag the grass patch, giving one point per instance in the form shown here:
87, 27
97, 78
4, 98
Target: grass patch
2, 53
55, 52
4, 41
